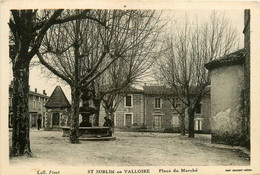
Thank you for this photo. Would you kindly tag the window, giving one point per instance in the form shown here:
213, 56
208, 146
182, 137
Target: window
128, 100
157, 103
34, 103
198, 125
175, 120
128, 120
176, 103
39, 103
198, 109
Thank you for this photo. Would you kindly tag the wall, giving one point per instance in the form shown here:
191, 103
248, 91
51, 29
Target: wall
37, 109
144, 110
150, 111
63, 119
226, 120
137, 110
205, 114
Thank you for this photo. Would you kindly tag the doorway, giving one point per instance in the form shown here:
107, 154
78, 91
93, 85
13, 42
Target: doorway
55, 120
157, 122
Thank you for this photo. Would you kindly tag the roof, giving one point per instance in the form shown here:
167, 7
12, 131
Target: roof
157, 90
234, 58
134, 90
163, 90
31, 92
38, 94
58, 99
130, 89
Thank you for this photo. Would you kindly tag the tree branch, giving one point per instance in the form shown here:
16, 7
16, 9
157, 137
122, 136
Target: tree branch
53, 70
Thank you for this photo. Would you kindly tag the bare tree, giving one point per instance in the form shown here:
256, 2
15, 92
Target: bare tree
81, 51
27, 30
184, 53
124, 73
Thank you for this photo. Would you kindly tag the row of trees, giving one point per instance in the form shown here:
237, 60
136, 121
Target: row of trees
88, 49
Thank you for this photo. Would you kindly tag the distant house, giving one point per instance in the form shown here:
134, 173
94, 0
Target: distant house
58, 110
36, 106
146, 108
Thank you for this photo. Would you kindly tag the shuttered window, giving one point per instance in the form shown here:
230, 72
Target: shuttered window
128, 101
157, 103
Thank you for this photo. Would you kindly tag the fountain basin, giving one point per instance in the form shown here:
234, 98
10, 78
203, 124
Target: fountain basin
90, 133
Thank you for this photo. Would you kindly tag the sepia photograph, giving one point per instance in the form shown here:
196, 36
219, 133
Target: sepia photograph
127, 91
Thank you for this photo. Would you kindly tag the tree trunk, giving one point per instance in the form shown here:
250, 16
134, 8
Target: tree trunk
183, 124
74, 134
97, 104
191, 123
110, 115
21, 120
75, 91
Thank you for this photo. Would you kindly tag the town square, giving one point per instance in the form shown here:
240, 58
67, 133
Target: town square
129, 88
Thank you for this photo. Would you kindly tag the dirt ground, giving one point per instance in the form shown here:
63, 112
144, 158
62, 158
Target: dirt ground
132, 149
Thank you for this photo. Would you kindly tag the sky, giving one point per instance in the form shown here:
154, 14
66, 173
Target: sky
39, 80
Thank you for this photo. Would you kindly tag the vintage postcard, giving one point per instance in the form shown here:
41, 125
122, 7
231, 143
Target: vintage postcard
129, 87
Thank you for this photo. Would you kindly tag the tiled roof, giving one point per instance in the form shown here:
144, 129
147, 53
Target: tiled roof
234, 58
38, 94
134, 90
130, 89
157, 90
58, 99
162, 90
30, 92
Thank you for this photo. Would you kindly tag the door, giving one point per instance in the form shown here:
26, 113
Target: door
33, 119
55, 119
128, 120
158, 122
43, 120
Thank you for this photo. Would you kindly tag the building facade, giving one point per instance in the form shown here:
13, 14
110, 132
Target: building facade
36, 106
147, 109
130, 110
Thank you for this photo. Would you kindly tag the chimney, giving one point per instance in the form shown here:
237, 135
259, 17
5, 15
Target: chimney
44, 93
35, 89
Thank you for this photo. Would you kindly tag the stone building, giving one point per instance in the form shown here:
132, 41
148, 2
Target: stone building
36, 107
58, 110
227, 82
130, 111
147, 109
230, 94
160, 115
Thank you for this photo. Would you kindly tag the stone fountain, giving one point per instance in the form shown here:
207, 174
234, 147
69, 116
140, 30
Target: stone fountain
86, 130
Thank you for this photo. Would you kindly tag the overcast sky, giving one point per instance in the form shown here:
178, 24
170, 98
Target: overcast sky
41, 82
